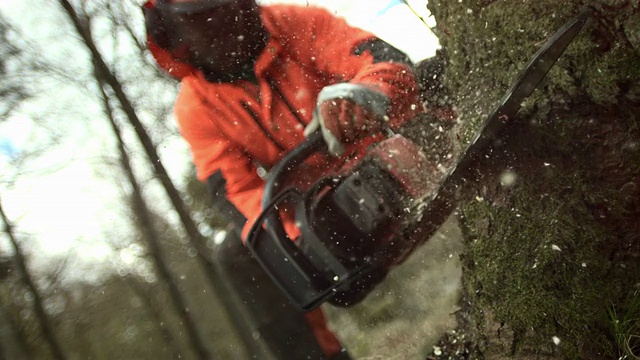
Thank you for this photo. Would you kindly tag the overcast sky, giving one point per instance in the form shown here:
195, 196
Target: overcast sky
70, 208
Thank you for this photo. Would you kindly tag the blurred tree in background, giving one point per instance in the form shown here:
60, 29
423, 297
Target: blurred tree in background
153, 286
11, 89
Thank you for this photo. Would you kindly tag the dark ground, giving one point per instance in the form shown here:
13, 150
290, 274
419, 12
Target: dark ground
409, 312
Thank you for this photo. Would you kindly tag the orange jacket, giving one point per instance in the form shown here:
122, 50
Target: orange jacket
235, 126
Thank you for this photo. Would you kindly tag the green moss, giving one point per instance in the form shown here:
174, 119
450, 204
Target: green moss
603, 80
534, 266
547, 256
488, 45
538, 254
625, 325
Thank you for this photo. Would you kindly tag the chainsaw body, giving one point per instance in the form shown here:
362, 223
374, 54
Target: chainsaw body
353, 226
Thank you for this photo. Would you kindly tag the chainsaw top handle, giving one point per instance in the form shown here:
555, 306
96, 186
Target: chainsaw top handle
269, 243
312, 144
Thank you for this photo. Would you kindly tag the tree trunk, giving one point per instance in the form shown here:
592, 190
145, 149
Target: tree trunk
105, 75
156, 314
38, 302
102, 71
11, 346
152, 240
551, 265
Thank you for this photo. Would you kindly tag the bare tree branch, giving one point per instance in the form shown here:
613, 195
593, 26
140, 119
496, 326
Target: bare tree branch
38, 305
152, 239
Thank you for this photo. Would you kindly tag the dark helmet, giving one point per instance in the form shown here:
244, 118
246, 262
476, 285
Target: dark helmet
214, 34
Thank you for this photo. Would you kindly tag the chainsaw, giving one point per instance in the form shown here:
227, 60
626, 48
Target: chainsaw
355, 225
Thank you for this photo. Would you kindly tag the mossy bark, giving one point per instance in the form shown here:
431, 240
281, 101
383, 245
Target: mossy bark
552, 226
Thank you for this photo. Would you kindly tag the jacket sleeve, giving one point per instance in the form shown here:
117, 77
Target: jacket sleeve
328, 44
211, 151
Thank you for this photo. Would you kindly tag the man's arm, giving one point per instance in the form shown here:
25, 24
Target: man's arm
373, 83
217, 158
348, 54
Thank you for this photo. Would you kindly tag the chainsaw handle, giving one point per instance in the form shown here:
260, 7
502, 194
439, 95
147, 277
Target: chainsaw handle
268, 241
313, 143
277, 177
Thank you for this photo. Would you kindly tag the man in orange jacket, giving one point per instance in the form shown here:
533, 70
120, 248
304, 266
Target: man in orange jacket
251, 77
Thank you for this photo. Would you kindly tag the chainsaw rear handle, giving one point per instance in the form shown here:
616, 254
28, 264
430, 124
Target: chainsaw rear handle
293, 270
288, 266
283, 262
277, 177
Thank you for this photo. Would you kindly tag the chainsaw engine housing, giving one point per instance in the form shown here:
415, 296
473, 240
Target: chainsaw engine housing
351, 226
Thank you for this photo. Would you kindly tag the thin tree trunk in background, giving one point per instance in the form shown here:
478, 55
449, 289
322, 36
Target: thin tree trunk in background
193, 234
38, 307
196, 239
156, 314
11, 347
152, 239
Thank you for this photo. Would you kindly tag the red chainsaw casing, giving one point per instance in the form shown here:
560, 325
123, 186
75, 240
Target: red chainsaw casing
402, 166
406, 163
354, 225
362, 217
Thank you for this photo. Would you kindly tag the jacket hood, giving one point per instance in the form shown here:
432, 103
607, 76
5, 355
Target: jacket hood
164, 58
